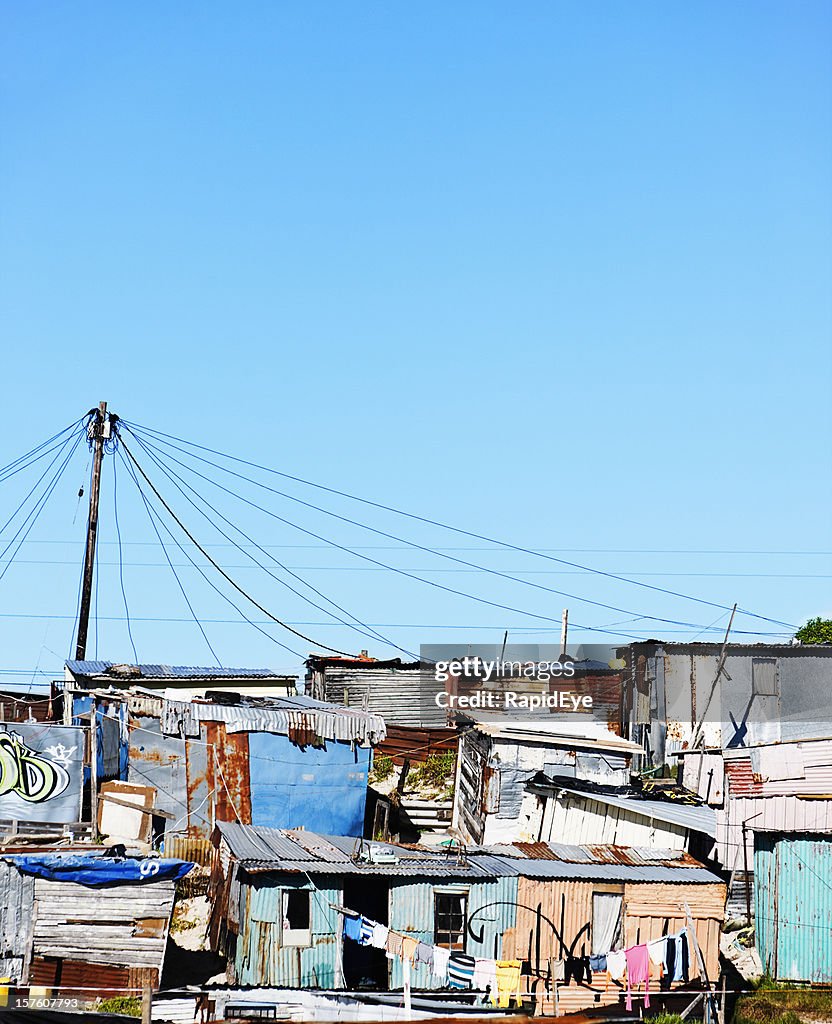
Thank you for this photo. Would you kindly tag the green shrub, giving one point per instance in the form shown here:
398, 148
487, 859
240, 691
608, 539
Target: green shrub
382, 769
130, 1006
434, 771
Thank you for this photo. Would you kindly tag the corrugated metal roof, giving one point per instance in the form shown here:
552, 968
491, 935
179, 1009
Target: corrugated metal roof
614, 872
700, 819
150, 671
279, 715
264, 849
586, 736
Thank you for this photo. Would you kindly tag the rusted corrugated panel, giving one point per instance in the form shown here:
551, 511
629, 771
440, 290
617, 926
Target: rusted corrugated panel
228, 772
741, 778
197, 756
199, 851
157, 760
14, 708
416, 744
80, 979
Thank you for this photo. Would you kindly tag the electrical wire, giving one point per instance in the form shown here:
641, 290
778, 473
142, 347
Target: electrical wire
218, 567
10, 470
210, 582
121, 562
175, 574
431, 583
372, 634
37, 508
167, 438
433, 551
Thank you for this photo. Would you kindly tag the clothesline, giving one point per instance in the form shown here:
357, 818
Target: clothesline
670, 954
499, 978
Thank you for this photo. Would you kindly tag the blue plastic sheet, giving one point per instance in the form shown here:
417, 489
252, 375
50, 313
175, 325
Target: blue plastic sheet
99, 871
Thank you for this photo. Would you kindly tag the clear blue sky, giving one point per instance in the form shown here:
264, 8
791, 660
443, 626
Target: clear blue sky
555, 272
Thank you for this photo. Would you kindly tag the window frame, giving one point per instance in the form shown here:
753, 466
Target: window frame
443, 936
295, 937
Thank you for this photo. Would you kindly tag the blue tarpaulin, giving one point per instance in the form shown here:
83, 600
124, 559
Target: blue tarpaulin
97, 871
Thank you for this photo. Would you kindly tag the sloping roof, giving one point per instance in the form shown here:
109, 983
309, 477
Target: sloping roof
700, 819
267, 849
282, 715
263, 849
95, 669
587, 735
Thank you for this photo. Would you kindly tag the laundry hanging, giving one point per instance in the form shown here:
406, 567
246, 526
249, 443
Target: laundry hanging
460, 970
508, 982
638, 971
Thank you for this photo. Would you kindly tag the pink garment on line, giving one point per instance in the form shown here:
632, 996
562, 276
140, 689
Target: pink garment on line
638, 971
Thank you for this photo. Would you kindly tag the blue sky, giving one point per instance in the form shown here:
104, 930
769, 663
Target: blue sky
557, 273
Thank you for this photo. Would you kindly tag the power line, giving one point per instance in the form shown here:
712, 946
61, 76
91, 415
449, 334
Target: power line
211, 583
474, 547
429, 550
218, 567
15, 467
431, 583
174, 477
167, 438
175, 574
121, 562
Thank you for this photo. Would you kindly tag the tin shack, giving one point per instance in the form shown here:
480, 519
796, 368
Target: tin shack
281, 899
280, 762
86, 920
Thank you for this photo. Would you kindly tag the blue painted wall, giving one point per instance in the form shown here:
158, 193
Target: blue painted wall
793, 905
491, 908
260, 956
321, 790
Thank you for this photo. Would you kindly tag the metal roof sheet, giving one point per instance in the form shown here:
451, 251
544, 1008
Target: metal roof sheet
151, 671
263, 849
698, 818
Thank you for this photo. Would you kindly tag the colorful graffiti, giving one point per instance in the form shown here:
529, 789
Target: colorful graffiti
29, 773
41, 772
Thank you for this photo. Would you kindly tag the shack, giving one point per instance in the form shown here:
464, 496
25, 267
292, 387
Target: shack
280, 900
281, 762
497, 758
186, 681
85, 920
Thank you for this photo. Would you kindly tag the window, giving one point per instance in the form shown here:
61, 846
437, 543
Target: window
607, 909
450, 919
764, 677
297, 930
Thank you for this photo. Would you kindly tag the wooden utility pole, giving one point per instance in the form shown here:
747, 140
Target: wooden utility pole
98, 432
564, 628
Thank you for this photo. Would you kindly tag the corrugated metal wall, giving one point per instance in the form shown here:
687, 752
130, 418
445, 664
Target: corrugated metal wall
17, 894
577, 820
491, 911
401, 696
260, 956
650, 911
793, 902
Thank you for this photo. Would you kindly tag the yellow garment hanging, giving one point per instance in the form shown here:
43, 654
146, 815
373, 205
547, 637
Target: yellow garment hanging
508, 981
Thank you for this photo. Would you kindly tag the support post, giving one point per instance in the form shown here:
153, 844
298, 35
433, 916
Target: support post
94, 768
99, 431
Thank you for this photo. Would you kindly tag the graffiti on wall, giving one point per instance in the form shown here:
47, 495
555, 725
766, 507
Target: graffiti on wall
41, 772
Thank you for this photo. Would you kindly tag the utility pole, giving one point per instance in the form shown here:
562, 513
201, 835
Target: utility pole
98, 432
564, 628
